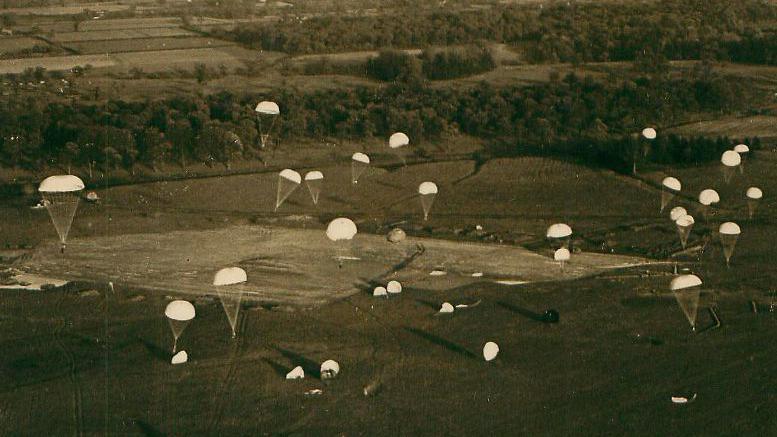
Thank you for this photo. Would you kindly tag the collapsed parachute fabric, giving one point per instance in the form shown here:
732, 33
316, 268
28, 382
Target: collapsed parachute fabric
266, 110
754, 195
229, 297
314, 180
669, 187
341, 232
60, 195
288, 181
490, 351
359, 163
427, 191
179, 313
730, 160
729, 234
686, 289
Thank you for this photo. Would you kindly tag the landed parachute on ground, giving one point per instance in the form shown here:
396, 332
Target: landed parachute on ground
60, 196
288, 181
730, 160
394, 287
359, 163
754, 195
684, 225
669, 187
341, 232
686, 289
427, 191
314, 180
330, 369
266, 114
230, 298
179, 313
729, 234
490, 351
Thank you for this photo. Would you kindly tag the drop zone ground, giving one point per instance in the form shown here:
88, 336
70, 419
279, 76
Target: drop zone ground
97, 362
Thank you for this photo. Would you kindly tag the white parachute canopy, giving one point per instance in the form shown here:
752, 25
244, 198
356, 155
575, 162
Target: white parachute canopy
446, 308
179, 313
341, 231
230, 298
686, 289
427, 191
394, 287
329, 369
396, 235
60, 195
741, 148
266, 109
561, 254
754, 195
288, 181
380, 291
398, 140
677, 212
649, 133
684, 225
559, 232
490, 351
669, 187
730, 160
314, 180
359, 163
729, 234
708, 197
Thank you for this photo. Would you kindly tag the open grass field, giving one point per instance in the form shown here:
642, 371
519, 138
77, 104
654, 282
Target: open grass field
130, 33
764, 126
144, 44
16, 44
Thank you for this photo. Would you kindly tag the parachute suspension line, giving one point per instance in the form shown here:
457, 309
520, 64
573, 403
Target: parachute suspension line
62, 208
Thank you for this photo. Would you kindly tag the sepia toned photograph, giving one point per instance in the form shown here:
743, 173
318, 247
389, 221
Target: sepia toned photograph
388, 217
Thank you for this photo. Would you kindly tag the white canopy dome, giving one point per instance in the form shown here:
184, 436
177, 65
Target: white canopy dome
361, 157
394, 287
398, 140
741, 148
730, 228
684, 281
754, 193
427, 188
230, 276
559, 230
708, 197
561, 254
180, 310
396, 235
291, 175
672, 183
61, 184
341, 229
314, 175
490, 351
267, 107
685, 220
649, 133
446, 308
329, 369
379, 291
677, 212
730, 158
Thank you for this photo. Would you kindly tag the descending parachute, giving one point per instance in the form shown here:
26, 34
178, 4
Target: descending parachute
754, 195
686, 289
179, 313
561, 255
427, 191
730, 161
230, 298
359, 163
559, 235
60, 196
266, 114
314, 180
707, 198
743, 150
397, 142
341, 232
669, 187
649, 133
684, 225
490, 351
729, 234
677, 212
288, 181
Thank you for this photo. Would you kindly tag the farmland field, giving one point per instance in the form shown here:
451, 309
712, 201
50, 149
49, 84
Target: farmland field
106, 35
144, 44
21, 43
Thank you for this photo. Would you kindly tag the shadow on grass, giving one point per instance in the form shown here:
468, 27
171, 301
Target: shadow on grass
433, 305
280, 369
522, 311
148, 430
156, 351
309, 366
439, 341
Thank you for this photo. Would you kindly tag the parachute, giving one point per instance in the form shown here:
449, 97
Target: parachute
230, 299
677, 212
359, 163
754, 195
446, 308
314, 180
380, 292
561, 255
684, 225
742, 149
60, 196
396, 235
341, 232
490, 351
730, 160
288, 181
649, 133
179, 313
686, 289
707, 198
394, 287
729, 234
329, 369
427, 191
669, 187
265, 110
397, 141
559, 235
